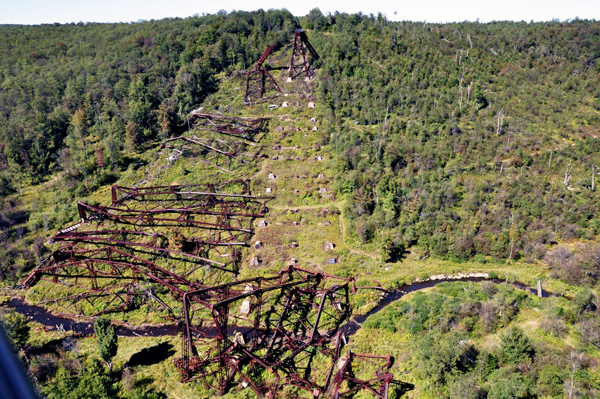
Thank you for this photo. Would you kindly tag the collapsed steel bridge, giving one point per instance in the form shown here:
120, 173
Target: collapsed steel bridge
244, 127
280, 335
212, 151
277, 326
218, 141
179, 238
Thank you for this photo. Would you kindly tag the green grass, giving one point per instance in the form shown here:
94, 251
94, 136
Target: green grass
301, 147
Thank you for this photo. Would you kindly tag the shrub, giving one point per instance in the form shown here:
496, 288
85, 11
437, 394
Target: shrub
16, 328
550, 382
515, 347
106, 340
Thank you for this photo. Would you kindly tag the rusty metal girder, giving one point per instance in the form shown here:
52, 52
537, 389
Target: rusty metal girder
278, 326
259, 80
186, 195
214, 151
178, 244
299, 64
180, 237
229, 125
113, 273
166, 217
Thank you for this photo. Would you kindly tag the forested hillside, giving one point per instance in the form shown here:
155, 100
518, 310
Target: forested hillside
417, 151
478, 138
80, 101
458, 139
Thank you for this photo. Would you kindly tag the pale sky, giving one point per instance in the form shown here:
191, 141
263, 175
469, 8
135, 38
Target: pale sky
31, 12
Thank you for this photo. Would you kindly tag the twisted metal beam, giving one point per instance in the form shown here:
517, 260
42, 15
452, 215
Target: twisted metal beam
277, 326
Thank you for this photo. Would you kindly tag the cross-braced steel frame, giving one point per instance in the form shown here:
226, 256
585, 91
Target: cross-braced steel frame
179, 238
178, 246
299, 63
276, 326
246, 128
258, 79
214, 151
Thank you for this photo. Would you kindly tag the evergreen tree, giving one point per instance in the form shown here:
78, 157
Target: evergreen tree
106, 339
16, 327
515, 347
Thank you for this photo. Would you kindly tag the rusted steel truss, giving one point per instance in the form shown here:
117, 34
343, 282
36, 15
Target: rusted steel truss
178, 246
230, 125
299, 64
186, 195
259, 80
275, 326
214, 151
178, 238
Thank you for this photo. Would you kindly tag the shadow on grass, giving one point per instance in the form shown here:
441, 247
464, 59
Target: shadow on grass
153, 355
401, 388
50, 347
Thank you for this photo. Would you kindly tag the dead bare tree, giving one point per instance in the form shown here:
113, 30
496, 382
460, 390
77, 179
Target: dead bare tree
500, 121
460, 87
469, 87
381, 137
513, 234
575, 360
489, 316
568, 174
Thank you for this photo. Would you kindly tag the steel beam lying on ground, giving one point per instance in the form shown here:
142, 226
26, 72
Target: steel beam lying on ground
180, 238
106, 279
275, 326
214, 151
229, 125
185, 195
178, 245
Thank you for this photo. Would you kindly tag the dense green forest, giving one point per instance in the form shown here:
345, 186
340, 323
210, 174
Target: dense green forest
474, 139
459, 146
484, 137
453, 358
79, 101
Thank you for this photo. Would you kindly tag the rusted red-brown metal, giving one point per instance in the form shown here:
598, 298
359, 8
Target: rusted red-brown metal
299, 63
276, 326
179, 237
378, 385
244, 127
185, 194
215, 152
177, 245
258, 79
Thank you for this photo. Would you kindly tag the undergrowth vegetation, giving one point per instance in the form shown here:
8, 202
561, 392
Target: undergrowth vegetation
491, 340
427, 150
